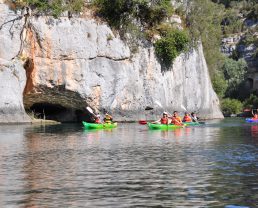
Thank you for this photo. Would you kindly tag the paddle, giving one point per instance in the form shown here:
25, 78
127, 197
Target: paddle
90, 110
144, 122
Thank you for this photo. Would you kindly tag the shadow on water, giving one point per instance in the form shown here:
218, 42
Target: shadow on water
67, 166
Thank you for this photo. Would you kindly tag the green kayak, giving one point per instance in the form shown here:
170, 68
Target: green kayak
99, 126
191, 123
163, 126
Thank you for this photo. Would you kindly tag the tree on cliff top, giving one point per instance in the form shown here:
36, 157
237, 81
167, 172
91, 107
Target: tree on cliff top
120, 13
204, 21
50, 7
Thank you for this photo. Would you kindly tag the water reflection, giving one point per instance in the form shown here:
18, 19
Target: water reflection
67, 166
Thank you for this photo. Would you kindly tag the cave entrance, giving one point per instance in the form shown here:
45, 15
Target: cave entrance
59, 113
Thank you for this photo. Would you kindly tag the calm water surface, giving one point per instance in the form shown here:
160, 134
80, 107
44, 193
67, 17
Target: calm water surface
66, 166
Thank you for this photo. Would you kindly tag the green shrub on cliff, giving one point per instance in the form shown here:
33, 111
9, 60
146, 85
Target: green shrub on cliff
171, 45
119, 13
219, 84
229, 82
204, 22
251, 102
53, 7
231, 106
231, 22
148, 17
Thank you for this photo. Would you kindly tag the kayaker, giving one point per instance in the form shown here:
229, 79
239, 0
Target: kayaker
97, 119
187, 118
176, 120
164, 119
108, 118
194, 117
255, 115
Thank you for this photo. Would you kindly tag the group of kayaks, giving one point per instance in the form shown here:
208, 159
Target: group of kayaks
150, 125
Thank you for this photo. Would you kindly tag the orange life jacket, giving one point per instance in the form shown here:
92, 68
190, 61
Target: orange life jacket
176, 120
187, 119
164, 120
108, 119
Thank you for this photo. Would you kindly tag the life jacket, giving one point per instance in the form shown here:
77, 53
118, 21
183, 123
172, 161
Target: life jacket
176, 120
187, 119
108, 119
164, 120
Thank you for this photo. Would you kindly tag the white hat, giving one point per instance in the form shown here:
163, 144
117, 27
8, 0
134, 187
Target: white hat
165, 113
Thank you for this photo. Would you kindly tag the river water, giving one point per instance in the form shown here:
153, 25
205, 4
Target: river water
215, 165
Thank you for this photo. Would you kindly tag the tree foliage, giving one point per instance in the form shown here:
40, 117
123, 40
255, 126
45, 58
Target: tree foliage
119, 13
251, 102
219, 84
204, 22
231, 106
234, 73
51, 7
171, 45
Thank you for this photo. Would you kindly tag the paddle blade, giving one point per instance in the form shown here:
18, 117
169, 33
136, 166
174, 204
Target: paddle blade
142, 122
158, 103
89, 109
183, 108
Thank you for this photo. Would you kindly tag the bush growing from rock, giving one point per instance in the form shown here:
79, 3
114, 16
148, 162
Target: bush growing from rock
171, 45
231, 106
53, 7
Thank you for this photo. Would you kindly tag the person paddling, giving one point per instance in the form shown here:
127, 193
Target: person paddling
108, 118
255, 115
194, 117
163, 120
187, 118
176, 120
97, 119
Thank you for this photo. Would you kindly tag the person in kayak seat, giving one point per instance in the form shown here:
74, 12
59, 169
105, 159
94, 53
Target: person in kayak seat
255, 114
187, 117
108, 118
176, 120
163, 120
97, 119
194, 117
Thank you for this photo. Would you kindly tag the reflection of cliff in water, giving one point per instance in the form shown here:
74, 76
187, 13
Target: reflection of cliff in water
51, 158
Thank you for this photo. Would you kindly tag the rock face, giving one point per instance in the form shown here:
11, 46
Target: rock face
12, 73
72, 63
12, 82
244, 49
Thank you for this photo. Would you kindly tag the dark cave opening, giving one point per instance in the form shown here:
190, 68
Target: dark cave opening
59, 113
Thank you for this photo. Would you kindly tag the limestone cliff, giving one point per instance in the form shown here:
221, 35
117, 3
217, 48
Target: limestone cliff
12, 82
72, 63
